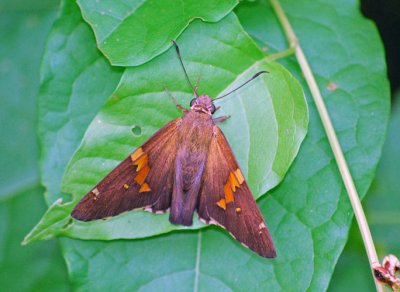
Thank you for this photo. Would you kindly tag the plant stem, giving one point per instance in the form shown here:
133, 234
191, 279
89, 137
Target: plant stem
281, 54
333, 140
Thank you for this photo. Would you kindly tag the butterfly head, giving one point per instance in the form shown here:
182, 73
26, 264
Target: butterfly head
203, 103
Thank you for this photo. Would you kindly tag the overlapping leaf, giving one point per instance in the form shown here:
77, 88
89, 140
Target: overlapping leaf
130, 33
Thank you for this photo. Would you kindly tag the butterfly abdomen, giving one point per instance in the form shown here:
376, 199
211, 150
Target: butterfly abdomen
194, 140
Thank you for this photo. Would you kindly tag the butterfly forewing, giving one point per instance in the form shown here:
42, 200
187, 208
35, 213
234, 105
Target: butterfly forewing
143, 180
226, 200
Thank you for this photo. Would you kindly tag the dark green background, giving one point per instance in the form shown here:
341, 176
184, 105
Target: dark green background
37, 267
40, 267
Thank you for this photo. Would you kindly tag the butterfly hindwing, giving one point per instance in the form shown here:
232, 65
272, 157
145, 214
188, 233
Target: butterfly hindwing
143, 180
226, 199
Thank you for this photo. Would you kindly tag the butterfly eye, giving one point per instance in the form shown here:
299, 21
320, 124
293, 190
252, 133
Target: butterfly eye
212, 108
192, 101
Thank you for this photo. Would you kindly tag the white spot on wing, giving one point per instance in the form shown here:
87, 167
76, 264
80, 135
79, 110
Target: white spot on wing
245, 245
204, 220
212, 221
96, 192
160, 211
150, 209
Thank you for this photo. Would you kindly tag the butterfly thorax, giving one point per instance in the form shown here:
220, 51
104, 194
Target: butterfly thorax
194, 141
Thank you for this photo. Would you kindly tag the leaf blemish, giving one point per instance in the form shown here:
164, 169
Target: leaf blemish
331, 86
137, 131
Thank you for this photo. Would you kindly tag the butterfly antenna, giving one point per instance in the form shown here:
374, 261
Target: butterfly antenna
254, 77
183, 66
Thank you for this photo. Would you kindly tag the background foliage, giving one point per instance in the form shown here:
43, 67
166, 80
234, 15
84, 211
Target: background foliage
97, 254
39, 267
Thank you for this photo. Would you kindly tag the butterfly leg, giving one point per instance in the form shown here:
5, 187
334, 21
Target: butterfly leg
178, 106
181, 108
221, 119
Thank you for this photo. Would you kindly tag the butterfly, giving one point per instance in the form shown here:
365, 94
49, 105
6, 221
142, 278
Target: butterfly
186, 166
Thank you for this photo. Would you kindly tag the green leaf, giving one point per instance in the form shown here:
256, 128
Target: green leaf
38, 267
270, 115
308, 213
130, 33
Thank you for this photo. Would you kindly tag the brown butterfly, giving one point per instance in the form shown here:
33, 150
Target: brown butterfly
186, 166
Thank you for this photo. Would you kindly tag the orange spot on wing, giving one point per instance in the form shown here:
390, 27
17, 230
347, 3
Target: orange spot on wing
141, 162
135, 155
239, 176
233, 181
228, 193
126, 186
238, 210
142, 174
222, 204
144, 188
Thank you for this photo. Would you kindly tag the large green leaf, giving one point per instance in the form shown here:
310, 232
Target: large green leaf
308, 213
40, 266
130, 33
270, 115
348, 62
